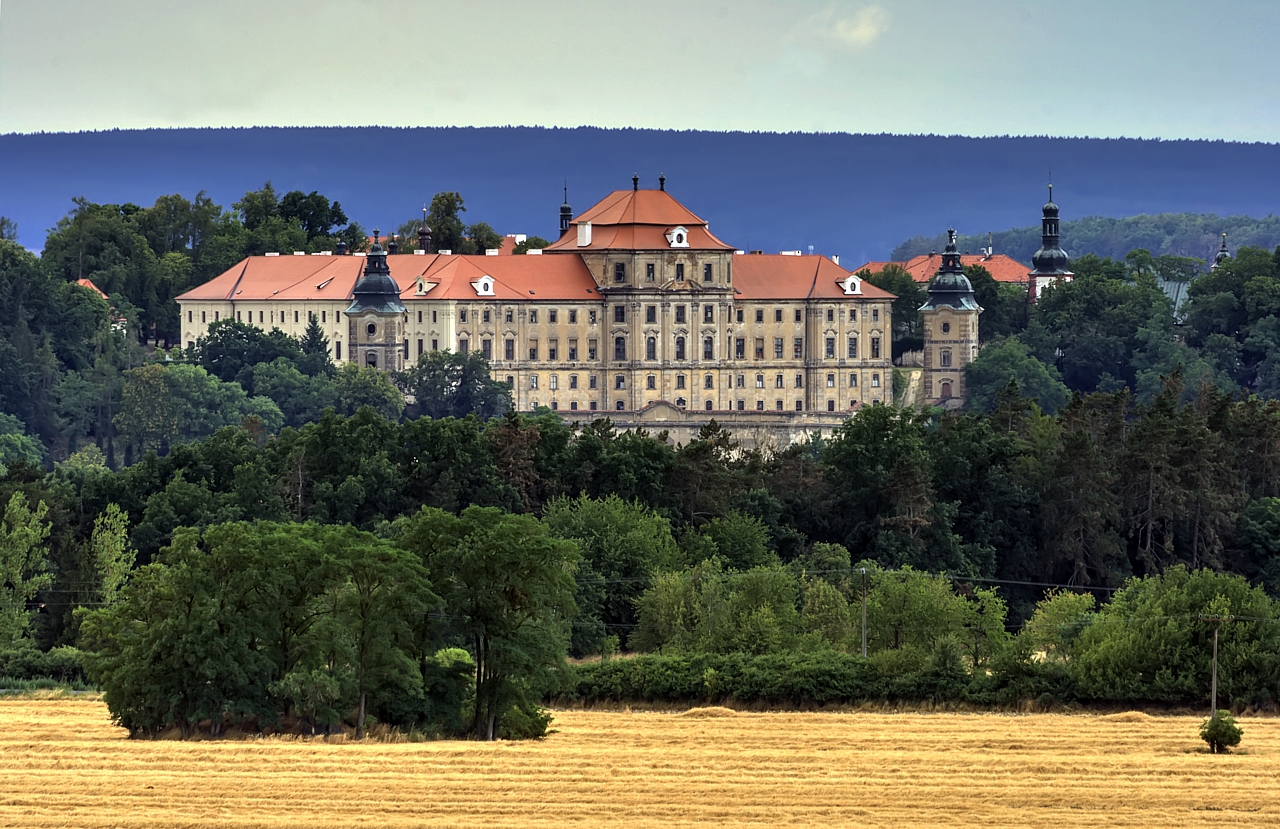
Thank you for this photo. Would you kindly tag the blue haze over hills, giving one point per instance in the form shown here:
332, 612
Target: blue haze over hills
853, 195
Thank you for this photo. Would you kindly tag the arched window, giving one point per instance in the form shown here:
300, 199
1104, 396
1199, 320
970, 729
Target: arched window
709, 382
619, 348
946, 390
651, 349
619, 405
944, 358
679, 348
371, 359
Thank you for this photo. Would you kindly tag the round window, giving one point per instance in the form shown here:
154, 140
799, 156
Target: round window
372, 329
679, 238
946, 328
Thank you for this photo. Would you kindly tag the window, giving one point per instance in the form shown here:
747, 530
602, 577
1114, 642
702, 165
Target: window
759, 381
573, 381
371, 329
420, 347
944, 358
619, 348
189, 315
337, 351
831, 315
742, 381
799, 315
553, 349
551, 317
740, 348
742, 405
620, 381
679, 381
462, 346
592, 350
680, 318
511, 381
831, 381
371, 359
759, 348
777, 381
739, 315
485, 316
681, 402
591, 381
706, 272
573, 317
679, 348
831, 405
509, 316
759, 405
777, 315
853, 315
619, 272
798, 347
777, 348
680, 271
799, 381
946, 328
573, 405
573, 349
619, 313
555, 404
462, 316
875, 314
651, 314
435, 345
406, 349
533, 317
238, 316
648, 272
651, 382
708, 313
708, 348
759, 315
875, 381
831, 348
433, 316
593, 405
533, 381
799, 405
946, 390
651, 348
853, 348
508, 350
533, 349
295, 315
875, 348
708, 407
204, 316
853, 381
709, 382
591, 317
777, 405
553, 382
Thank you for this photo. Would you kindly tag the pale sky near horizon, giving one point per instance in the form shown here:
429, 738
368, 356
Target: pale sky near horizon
1139, 68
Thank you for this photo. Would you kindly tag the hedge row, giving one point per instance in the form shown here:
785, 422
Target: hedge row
60, 665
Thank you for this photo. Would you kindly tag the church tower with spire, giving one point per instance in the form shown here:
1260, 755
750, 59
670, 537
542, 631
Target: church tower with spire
1050, 264
1222, 255
950, 318
376, 316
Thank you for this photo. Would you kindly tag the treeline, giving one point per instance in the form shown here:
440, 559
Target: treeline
1194, 235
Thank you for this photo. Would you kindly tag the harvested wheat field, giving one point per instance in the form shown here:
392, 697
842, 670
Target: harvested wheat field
63, 764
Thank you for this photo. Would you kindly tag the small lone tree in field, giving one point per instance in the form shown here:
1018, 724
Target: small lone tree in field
1220, 732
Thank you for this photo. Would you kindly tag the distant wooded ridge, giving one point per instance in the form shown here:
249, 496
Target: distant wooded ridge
853, 195
1176, 234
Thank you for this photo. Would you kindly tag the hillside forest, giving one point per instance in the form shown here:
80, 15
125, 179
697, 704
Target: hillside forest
302, 546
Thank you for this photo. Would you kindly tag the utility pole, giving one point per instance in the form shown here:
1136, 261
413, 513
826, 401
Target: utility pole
1217, 621
864, 612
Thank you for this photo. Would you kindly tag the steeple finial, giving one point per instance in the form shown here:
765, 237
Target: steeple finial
566, 212
635, 181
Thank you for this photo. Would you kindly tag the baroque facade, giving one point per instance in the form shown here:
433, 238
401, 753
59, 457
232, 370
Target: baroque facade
636, 307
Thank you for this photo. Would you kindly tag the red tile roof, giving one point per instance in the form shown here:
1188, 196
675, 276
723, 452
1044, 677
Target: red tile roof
764, 276
85, 283
638, 220
527, 278
1003, 268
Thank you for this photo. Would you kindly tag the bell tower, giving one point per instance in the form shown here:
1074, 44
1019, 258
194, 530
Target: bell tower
950, 331
375, 318
1050, 264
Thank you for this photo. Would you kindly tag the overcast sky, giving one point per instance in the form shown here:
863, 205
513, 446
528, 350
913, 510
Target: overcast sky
1148, 68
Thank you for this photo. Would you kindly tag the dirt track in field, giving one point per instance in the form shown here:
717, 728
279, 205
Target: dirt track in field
63, 764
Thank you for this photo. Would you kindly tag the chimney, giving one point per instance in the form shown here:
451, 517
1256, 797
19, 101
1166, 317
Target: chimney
584, 234
662, 182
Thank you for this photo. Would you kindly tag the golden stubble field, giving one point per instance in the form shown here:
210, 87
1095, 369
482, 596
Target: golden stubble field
63, 764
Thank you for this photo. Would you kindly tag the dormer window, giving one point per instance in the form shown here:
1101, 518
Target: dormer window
851, 285
678, 237
483, 286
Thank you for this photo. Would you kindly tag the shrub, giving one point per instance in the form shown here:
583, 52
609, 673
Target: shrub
1221, 733
61, 665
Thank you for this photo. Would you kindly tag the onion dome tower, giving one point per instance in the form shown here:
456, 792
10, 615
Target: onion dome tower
1222, 255
1050, 264
375, 318
424, 233
566, 212
950, 330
